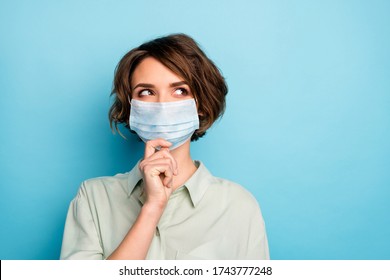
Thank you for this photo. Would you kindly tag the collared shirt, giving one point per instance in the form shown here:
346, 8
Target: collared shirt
206, 218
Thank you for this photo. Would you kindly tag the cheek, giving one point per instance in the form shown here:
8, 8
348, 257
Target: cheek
131, 95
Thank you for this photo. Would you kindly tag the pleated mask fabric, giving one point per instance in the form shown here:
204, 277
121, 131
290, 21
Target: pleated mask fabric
173, 121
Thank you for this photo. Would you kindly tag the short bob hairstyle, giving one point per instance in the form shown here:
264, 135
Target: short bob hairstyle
182, 55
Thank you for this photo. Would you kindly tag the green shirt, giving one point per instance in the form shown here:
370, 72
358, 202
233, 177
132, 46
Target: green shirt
206, 218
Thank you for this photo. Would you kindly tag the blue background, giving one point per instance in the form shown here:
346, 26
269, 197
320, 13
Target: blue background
307, 126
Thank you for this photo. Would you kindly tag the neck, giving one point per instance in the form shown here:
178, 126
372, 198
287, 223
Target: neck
186, 166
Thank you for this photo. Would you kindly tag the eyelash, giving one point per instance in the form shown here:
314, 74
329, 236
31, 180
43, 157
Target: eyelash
141, 91
184, 92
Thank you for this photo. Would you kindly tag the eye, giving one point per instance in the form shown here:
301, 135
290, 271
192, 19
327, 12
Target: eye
181, 91
145, 92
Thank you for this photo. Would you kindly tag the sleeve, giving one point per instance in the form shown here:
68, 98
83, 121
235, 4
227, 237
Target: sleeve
257, 237
81, 240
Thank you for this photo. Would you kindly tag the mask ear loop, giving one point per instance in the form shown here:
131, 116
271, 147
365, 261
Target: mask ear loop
196, 103
197, 110
128, 119
132, 131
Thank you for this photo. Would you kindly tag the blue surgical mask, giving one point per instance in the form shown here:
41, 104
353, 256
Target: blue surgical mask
173, 121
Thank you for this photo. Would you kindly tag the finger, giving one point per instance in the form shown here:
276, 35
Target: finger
168, 178
168, 182
163, 153
167, 153
166, 171
152, 145
146, 164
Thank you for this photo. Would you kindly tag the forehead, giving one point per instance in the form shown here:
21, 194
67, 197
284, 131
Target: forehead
150, 70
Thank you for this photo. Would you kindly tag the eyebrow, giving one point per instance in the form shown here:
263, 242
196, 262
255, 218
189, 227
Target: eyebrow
145, 85
178, 84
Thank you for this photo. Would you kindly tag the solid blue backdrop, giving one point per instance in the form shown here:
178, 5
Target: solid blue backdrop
307, 126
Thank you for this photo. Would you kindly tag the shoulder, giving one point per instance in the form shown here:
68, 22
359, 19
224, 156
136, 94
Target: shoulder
232, 192
106, 181
105, 185
222, 191
234, 202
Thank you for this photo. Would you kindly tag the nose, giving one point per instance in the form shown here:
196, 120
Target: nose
161, 98
164, 96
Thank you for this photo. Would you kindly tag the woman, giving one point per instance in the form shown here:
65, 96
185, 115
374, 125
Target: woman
168, 206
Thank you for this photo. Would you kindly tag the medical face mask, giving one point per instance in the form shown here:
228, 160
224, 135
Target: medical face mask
173, 121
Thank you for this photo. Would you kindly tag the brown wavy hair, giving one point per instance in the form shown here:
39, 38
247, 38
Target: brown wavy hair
182, 55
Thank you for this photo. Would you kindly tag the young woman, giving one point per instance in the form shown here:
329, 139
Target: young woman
168, 206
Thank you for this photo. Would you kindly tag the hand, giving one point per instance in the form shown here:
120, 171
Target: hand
158, 169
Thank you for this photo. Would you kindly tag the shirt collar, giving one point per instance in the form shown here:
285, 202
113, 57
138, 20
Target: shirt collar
196, 185
134, 178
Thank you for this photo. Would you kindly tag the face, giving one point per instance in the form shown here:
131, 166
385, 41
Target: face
153, 82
